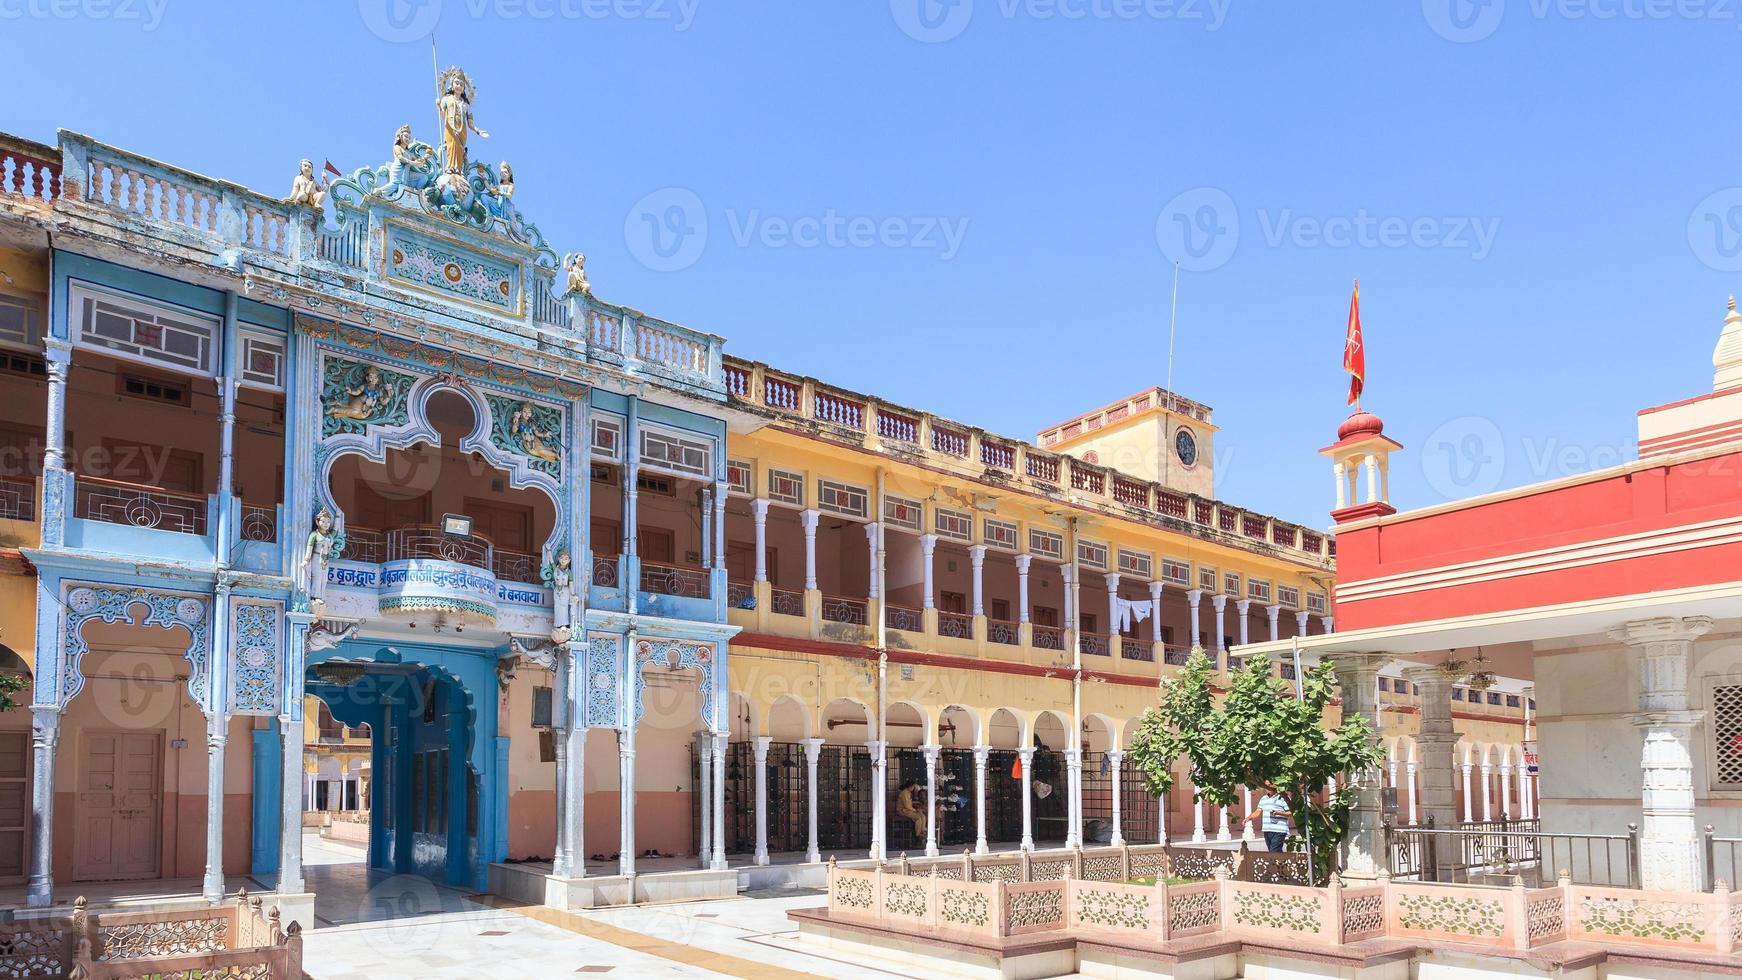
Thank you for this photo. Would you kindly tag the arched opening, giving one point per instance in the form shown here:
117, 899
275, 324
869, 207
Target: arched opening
906, 727
1003, 778
844, 777
396, 509
1099, 774
787, 798
958, 731
1049, 783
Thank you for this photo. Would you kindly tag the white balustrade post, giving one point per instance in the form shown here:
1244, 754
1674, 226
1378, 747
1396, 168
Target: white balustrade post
761, 750
1117, 759
813, 749
1026, 756
981, 752
759, 511
931, 795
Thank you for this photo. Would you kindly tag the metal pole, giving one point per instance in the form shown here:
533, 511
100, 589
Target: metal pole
1307, 808
1711, 878
1633, 854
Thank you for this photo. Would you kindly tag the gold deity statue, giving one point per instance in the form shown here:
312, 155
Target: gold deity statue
454, 104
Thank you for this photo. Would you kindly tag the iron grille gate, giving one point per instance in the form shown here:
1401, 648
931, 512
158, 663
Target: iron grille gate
787, 800
1138, 810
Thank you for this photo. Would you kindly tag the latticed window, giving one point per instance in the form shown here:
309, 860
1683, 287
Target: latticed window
841, 498
672, 451
1046, 544
1136, 563
1727, 736
1176, 571
144, 332
1092, 554
1000, 534
953, 524
786, 487
902, 512
1288, 595
738, 476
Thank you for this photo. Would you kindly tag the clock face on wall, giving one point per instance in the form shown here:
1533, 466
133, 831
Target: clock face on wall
1186, 445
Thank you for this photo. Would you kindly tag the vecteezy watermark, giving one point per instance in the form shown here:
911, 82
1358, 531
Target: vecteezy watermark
1468, 456
1468, 21
400, 21
1200, 229
668, 230
936, 21
1715, 230
147, 13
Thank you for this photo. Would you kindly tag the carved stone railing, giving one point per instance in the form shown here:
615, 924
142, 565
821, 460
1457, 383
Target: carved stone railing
236, 938
29, 171
948, 895
642, 344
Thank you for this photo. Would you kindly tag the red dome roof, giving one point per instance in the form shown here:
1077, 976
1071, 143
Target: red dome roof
1360, 424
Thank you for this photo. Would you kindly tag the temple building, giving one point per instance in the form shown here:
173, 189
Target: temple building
359, 509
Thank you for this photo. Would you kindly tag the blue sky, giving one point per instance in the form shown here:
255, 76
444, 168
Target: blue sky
974, 208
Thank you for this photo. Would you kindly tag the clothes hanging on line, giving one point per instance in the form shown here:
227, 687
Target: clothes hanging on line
1129, 610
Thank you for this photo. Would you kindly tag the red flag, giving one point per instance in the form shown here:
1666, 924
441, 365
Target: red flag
332, 169
1354, 352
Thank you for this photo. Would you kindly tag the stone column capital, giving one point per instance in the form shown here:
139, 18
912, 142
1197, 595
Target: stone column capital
931, 753
1117, 755
809, 518
1022, 563
1663, 629
1244, 605
1155, 589
1025, 755
762, 743
1112, 583
1219, 601
759, 509
871, 532
1194, 596
813, 748
928, 543
981, 753
977, 554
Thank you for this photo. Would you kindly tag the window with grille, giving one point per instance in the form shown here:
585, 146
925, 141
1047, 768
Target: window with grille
541, 707
902, 512
1092, 554
262, 359
668, 450
738, 476
1288, 595
1207, 579
1136, 563
951, 524
840, 498
608, 438
1258, 588
1457, 694
1727, 736
1231, 583
141, 331
20, 323
152, 389
1000, 534
1177, 572
1385, 684
786, 487
1316, 602
1046, 544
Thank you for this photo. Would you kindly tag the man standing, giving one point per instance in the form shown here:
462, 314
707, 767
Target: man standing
1275, 811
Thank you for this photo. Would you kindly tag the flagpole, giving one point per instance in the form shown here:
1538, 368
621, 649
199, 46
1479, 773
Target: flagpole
1172, 331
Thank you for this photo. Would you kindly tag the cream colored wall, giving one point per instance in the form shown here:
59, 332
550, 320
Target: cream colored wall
18, 615
1143, 448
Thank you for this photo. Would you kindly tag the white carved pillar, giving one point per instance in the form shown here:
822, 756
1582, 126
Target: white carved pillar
931, 795
1223, 830
1469, 800
1198, 836
1371, 465
217, 734
1363, 854
1526, 792
879, 799
574, 778
57, 356
981, 752
705, 777
928, 544
1244, 606
1506, 791
761, 750
1117, 759
293, 779
977, 559
1409, 773
1669, 849
809, 518
1155, 588
1219, 602
871, 556
1273, 612
1436, 746
813, 750
719, 863
1193, 596
1026, 755
1022, 563
1246, 804
44, 737
1338, 471
626, 773
1328, 621
1112, 580
1074, 801
706, 507
1300, 617
759, 512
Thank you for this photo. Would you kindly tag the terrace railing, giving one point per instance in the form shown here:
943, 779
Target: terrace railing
136, 505
674, 580
1517, 850
1721, 854
232, 939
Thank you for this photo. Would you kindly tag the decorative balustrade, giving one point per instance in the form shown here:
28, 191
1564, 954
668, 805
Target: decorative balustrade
904, 619
837, 609
1130, 492
259, 523
786, 602
1131, 648
740, 595
670, 346
114, 502
685, 581
364, 544
1175, 655
738, 381
1170, 504
1094, 644
605, 330
949, 441
17, 498
956, 625
1252, 526
999, 631
429, 541
1047, 637
899, 428
829, 407
515, 566
28, 170
1042, 468
997, 455
605, 571
1083, 478
237, 938
780, 393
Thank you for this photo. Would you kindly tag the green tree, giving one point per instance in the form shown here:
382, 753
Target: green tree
11, 684
1259, 733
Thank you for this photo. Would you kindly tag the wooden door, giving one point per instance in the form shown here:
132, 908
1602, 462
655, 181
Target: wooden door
953, 602
655, 544
382, 513
507, 526
119, 806
14, 802
607, 539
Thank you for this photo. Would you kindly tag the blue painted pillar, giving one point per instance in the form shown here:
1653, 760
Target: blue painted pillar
268, 780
